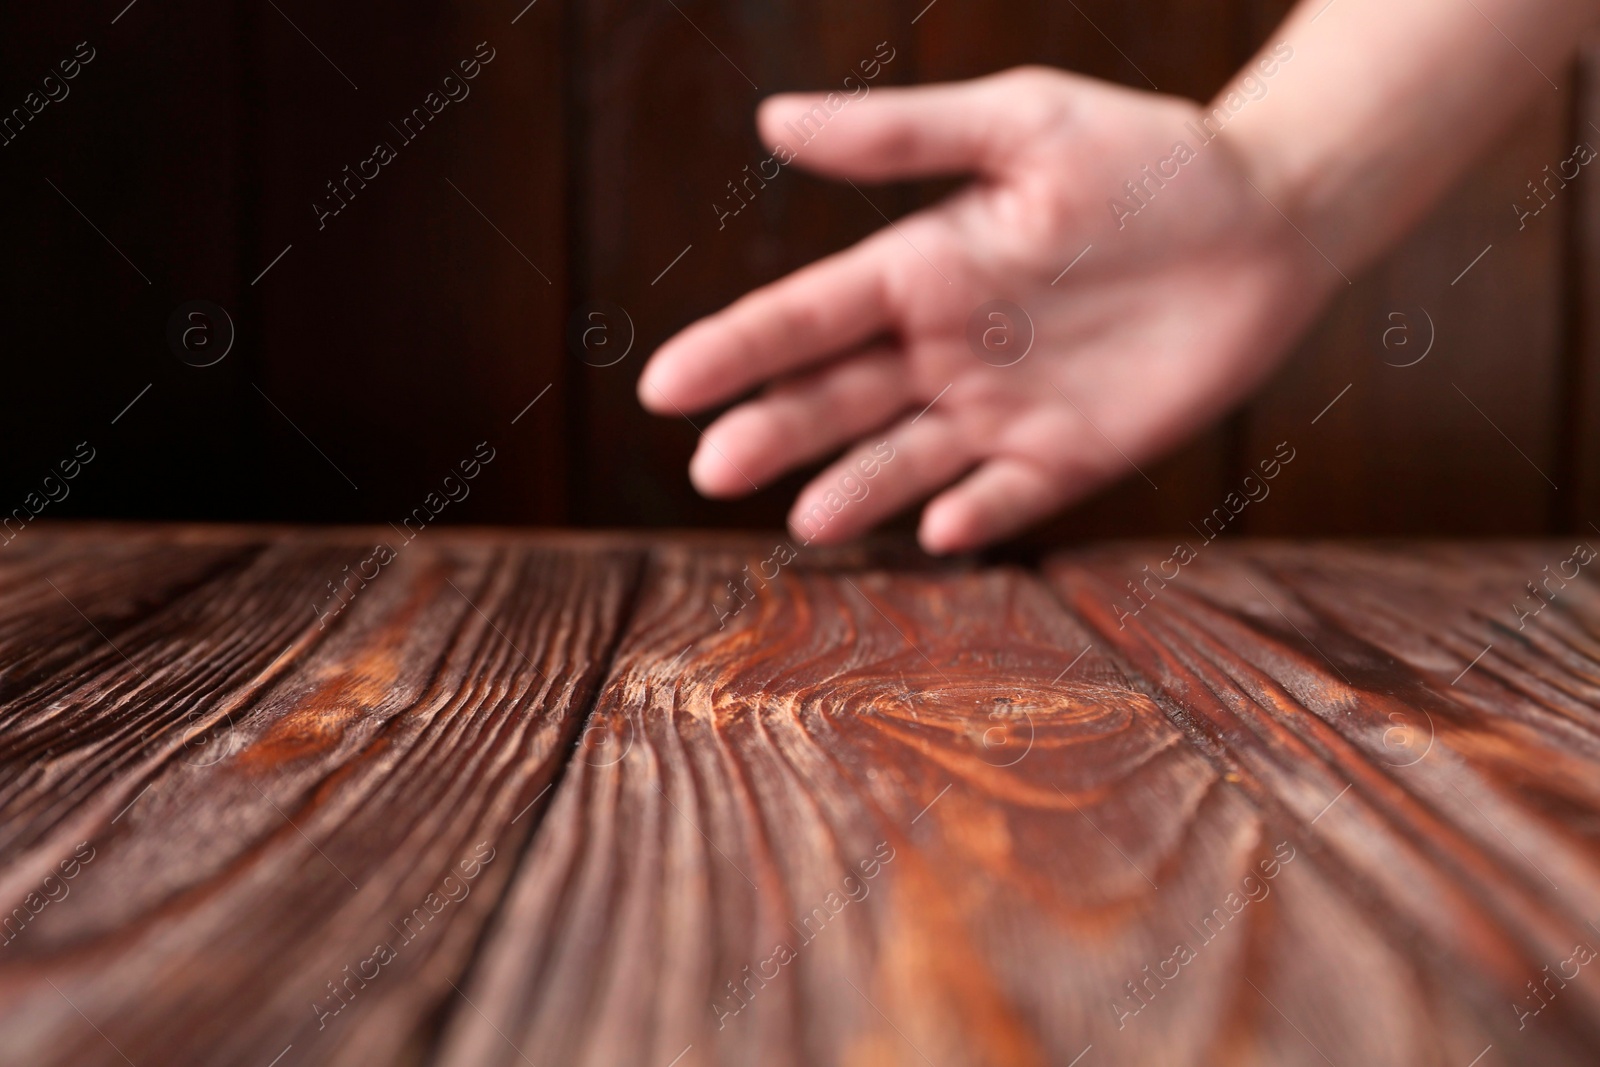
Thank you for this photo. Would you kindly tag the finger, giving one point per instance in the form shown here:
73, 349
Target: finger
1000, 498
798, 421
926, 131
829, 306
878, 479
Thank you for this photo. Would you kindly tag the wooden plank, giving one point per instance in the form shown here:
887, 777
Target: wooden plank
67, 628
146, 150
1308, 803
1581, 439
1433, 756
666, 123
1464, 441
1053, 835
43, 634
264, 801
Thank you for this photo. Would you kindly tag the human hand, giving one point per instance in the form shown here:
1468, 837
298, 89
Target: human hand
1176, 311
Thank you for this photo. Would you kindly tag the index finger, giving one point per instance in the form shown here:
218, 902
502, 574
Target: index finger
810, 315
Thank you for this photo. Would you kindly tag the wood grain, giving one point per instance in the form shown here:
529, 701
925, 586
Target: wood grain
720, 800
344, 777
723, 793
1343, 688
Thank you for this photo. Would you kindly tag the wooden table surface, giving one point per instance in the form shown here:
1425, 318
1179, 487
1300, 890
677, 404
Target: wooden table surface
552, 799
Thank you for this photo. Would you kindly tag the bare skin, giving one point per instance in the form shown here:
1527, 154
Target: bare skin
1187, 298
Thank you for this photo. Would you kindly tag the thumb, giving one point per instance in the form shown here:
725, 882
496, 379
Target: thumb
884, 134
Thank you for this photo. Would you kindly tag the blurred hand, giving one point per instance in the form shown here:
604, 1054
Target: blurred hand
1174, 313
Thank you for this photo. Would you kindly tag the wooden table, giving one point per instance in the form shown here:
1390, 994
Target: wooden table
553, 799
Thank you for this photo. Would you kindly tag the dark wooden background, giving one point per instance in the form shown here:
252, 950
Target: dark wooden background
592, 150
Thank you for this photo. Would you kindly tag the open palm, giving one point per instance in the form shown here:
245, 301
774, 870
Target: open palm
1176, 304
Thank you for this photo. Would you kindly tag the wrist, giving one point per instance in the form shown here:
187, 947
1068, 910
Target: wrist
1305, 199
1258, 129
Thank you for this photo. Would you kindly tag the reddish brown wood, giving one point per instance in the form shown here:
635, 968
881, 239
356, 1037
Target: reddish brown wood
1340, 800
1431, 753
722, 793
264, 802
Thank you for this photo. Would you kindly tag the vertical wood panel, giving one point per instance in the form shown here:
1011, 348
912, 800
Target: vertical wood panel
1581, 442
147, 144
413, 324
667, 123
1424, 448
412, 327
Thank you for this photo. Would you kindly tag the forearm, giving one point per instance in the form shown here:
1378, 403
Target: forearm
1385, 102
